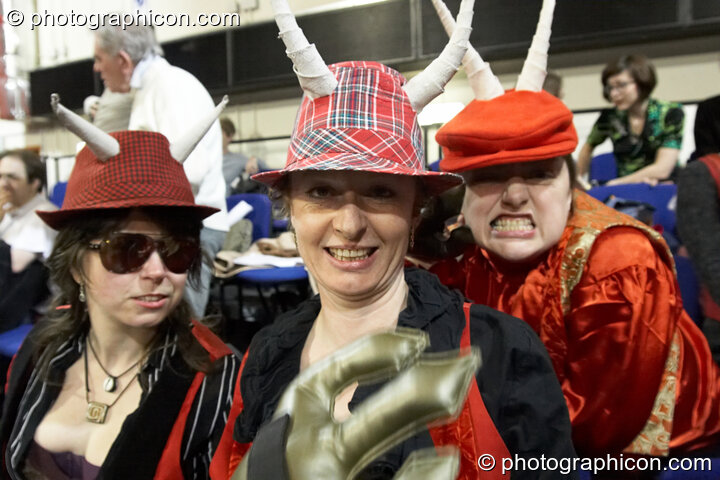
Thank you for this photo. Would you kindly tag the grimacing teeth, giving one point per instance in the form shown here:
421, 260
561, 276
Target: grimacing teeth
515, 224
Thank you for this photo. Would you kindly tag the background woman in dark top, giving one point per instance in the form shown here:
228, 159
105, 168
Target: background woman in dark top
118, 382
698, 222
646, 133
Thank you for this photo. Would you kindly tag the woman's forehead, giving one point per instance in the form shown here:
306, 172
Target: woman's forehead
351, 178
625, 75
516, 168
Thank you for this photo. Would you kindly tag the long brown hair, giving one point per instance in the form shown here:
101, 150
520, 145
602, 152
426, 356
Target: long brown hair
65, 323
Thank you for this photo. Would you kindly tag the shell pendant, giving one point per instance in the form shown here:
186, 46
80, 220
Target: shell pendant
110, 384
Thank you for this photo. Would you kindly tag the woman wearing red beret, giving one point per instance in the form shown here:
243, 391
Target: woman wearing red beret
597, 286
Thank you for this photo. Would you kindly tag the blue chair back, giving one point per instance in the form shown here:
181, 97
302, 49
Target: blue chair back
58, 193
659, 196
689, 288
261, 215
704, 469
10, 341
603, 167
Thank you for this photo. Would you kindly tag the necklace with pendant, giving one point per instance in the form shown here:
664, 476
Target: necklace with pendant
110, 382
96, 412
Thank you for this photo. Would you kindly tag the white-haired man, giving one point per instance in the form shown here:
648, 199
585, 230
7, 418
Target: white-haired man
166, 99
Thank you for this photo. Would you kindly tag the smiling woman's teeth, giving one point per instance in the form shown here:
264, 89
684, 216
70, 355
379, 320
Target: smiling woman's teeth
150, 298
514, 225
345, 255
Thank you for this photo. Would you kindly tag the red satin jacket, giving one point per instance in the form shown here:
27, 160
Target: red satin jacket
636, 372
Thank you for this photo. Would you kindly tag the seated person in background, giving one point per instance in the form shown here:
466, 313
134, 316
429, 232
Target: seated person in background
354, 184
646, 133
25, 241
597, 286
236, 166
118, 381
698, 220
698, 210
553, 84
707, 127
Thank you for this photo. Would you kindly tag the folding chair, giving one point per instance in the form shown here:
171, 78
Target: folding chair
603, 167
659, 196
58, 194
263, 277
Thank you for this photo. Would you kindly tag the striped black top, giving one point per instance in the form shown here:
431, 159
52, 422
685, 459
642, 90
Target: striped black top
165, 380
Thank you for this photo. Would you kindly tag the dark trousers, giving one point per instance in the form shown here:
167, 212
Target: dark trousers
20, 292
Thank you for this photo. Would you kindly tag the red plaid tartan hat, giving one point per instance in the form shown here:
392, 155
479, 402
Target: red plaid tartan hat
366, 124
143, 174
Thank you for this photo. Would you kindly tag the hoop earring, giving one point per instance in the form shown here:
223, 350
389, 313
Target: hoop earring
81, 295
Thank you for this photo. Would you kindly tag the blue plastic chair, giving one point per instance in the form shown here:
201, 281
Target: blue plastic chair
260, 278
708, 472
11, 340
584, 475
280, 225
689, 288
434, 166
603, 167
274, 278
261, 215
658, 196
58, 193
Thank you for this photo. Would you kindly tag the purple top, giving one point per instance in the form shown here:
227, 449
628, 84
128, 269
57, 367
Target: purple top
59, 465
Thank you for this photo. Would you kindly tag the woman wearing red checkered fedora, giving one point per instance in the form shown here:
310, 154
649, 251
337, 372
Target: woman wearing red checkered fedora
597, 286
353, 185
118, 381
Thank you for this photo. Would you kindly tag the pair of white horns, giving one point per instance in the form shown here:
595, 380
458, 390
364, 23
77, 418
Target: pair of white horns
484, 83
105, 146
317, 80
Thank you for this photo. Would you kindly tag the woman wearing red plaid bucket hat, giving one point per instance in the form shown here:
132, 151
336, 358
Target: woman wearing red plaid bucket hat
117, 381
353, 184
596, 285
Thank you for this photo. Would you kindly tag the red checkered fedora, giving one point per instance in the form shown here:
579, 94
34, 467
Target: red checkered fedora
363, 115
143, 174
366, 124
128, 169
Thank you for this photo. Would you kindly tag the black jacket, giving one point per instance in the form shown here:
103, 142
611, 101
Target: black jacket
516, 380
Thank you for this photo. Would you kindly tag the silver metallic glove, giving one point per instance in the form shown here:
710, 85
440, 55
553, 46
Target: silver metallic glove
428, 388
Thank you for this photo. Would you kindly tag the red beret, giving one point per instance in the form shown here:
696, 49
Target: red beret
518, 126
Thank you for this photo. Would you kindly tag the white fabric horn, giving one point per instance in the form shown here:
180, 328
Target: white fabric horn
485, 85
430, 83
315, 77
534, 69
102, 145
182, 147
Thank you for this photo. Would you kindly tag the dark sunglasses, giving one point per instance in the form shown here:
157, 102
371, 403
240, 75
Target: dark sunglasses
128, 252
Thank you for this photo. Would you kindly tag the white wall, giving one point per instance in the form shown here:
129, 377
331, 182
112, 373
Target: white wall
66, 43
